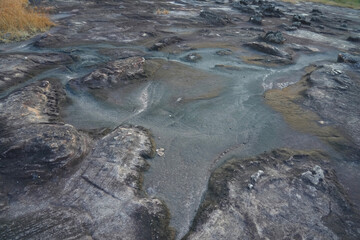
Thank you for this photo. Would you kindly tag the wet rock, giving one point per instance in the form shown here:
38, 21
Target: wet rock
256, 19
266, 48
244, 8
315, 19
215, 18
274, 37
348, 58
105, 193
316, 11
296, 24
224, 52
19, 67
269, 10
35, 144
279, 204
51, 40
288, 28
114, 74
302, 19
165, 42
267, 60
340, 82
121, 53
353, 39
192, 57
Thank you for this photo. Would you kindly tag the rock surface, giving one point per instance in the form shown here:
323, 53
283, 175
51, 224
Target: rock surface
66, 193
114, 74
282, 194
17, 68
34, 141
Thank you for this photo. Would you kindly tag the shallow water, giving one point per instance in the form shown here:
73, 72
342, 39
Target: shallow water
197, 113
200, 114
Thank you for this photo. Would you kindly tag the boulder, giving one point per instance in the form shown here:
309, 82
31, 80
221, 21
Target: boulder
192, 57
165, 42
35, 144
215, 18
114, 74
282, 194
268, 49
274, 37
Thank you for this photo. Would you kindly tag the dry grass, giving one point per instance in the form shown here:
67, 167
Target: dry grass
340, 3
19, 21
162, 12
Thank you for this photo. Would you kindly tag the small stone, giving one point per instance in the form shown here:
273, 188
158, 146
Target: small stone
314, 176
256, 176
160, 152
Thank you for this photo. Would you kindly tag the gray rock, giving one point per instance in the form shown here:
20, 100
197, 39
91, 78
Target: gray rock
19, 67
103, 199
314, 176
267, 48
165, 42
281, 205
341, 82
114, 74
256, 19
274, 37
192, 57
215, 18
35, 144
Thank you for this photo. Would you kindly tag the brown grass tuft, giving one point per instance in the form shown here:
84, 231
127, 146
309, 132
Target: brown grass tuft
19, 20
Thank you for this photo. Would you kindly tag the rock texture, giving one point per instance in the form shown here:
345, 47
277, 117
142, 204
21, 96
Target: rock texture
99, 196
34, 141
17, 68
114, 74
282, 194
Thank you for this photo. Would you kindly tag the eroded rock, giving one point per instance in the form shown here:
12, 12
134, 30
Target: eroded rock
215, 18
19, 67
267, 48
34, 141
268, 196
114, 74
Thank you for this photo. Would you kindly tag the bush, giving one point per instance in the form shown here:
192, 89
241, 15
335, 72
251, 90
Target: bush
19, 20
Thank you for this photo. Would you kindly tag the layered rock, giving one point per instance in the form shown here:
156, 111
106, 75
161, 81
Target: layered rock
114, 74
277, 195
34, 141
19, 67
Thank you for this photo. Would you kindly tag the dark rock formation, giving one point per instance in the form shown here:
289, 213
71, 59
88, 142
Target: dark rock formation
348, 58
165, 42
256, 19
302, 19
269, 10
215, 18
274, 37
100, 197
277, 195
34, 141
353, 39
17, 68
192, 57
225, 52
114, 74
266, 48
105, 195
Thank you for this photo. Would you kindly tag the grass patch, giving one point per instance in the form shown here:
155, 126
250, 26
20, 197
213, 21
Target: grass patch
340, 3
19, 20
